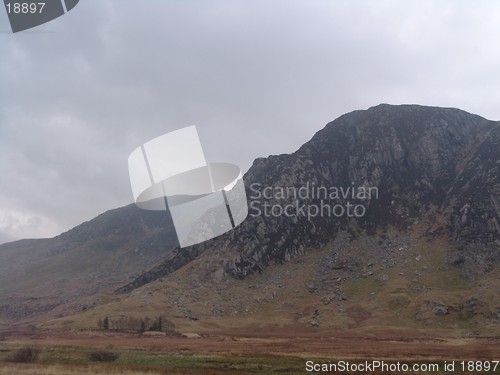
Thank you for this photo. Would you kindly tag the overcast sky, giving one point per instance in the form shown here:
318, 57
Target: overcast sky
78, 94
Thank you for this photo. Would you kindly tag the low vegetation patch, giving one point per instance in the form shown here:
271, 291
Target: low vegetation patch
103, 356
24, 355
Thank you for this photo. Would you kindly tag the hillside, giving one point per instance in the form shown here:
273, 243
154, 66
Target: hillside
423, 256
58, 274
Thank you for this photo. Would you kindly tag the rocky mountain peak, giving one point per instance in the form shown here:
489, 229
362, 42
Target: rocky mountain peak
423, 163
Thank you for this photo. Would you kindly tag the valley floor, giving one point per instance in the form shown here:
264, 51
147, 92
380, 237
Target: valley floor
274, 352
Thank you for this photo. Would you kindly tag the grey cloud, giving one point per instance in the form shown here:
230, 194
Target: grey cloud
256, 77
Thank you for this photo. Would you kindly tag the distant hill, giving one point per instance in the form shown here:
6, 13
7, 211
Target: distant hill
38, 276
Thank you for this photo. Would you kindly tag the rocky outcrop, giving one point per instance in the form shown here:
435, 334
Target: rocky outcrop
474, 202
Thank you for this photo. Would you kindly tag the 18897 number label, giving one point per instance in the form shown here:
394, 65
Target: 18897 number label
25, 8
479, 366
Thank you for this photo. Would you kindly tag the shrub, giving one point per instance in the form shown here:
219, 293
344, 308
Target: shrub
103, 356
24, 355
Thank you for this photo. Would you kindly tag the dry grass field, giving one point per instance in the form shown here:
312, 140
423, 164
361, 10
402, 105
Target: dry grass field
274, 352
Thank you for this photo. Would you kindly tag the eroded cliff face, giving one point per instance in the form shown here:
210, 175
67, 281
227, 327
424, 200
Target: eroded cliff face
426, 164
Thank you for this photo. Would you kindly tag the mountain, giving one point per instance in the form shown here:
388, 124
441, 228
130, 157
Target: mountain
410, 238
438, 164
43, 275
424, 256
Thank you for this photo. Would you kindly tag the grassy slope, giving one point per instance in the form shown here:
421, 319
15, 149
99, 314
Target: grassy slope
399, 295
